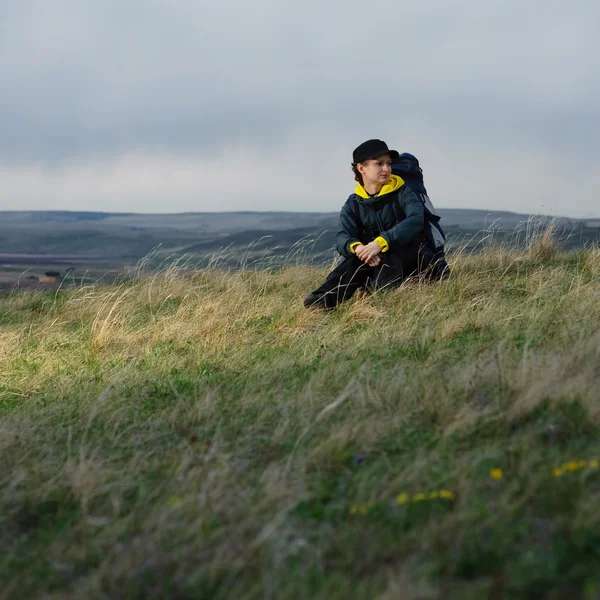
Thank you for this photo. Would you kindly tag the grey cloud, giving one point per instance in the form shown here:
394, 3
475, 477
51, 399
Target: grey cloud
101, 78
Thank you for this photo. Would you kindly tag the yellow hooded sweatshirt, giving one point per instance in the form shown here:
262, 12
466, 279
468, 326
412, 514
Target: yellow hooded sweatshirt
393, 185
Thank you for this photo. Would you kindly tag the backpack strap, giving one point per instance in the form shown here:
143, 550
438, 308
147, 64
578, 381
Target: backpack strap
357, 218
398, 212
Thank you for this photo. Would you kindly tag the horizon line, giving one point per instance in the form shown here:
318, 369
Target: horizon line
293, 212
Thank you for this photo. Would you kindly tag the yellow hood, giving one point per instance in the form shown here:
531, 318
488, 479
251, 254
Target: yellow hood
393, 185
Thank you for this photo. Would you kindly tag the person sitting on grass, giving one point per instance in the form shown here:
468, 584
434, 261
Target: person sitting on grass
380, 231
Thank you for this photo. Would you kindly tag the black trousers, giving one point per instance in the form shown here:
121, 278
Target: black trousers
352, 274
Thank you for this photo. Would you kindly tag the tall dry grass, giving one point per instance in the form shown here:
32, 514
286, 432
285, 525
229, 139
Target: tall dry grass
196, 433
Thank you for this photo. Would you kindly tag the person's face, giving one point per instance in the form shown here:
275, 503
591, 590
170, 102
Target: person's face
376, 170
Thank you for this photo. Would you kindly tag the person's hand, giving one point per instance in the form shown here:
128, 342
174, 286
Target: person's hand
369, 254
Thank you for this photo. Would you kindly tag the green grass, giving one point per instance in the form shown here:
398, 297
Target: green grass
203, 436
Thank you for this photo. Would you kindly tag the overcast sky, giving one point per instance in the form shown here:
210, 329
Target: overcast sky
187, 105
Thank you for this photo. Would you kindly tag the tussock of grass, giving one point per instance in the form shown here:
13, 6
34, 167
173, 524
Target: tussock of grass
202, 435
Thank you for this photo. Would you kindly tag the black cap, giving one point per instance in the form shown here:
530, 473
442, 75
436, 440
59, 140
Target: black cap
372, 149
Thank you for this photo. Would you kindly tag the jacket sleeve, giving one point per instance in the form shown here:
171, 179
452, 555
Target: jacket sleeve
404, 232
348, 233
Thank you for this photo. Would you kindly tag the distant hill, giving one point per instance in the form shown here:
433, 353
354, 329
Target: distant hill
231, 222
119, 237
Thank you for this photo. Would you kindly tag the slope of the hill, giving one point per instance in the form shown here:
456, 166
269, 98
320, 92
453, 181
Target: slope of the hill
201, 435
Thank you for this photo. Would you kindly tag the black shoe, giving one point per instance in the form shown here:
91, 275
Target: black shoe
314, 301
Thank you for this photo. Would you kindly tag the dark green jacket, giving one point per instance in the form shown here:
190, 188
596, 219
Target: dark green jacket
399, 230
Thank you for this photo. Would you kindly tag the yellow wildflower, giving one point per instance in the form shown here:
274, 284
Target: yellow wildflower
581, 464
402, 499
174, 501
557, 471
419, 497
434, 495
593, 464
446, 494
496, 474
571, 466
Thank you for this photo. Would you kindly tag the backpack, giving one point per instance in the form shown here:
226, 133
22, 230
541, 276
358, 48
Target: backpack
407, 167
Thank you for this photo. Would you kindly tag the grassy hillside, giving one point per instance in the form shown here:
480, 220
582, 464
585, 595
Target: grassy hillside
201, 435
